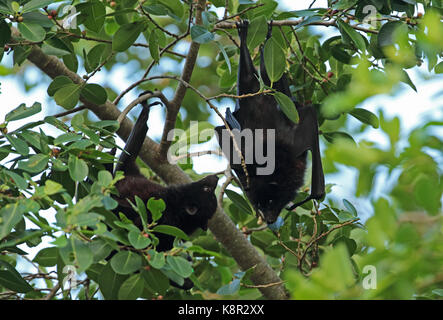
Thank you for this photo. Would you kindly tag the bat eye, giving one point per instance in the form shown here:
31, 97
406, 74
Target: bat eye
206, 189
270, 201
191, 210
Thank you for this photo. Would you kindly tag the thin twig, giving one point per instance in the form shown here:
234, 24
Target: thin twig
196, 154
65, 113
332, 23
263, 285
52, 293
229, 178
225, 17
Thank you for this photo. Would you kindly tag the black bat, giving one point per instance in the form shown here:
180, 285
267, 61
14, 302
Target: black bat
188, 206
270, 193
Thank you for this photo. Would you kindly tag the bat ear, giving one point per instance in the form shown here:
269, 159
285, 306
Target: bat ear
210, 181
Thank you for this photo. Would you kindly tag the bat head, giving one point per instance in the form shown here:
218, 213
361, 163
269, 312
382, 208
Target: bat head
269, 198
195, 203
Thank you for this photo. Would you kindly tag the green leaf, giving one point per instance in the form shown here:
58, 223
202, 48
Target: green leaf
439, 67
157, 259
141, 206
356, 37
172, 231
36, 163
32, 31
126, 262
68, 95
47, 257
239, 201
287, 106
71, 62
126, 36
201, 35
340, 54
387, 33
153, 47
156, 280
12, 280
308, 21
94, 93
100, 249
174, 8
365, 116
18, 180
94, 12
95, 56
156, 207
350, 207
110, 282
67, 137
230, 288
10, 215
131, 288
78, 169
22, 112
180, 266
89, 219
406, 79
57, 83
52, 187
275, 60
257, 32
138, 240
332, 137
427, 194
77, 253
18, 144
225, 56
36, 4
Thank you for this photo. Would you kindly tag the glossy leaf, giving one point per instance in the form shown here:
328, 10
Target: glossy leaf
131, 288
31, 31
239, 201
275, 60
356, 37
126, 262
365, 116
68, 95
287, 106
156, 207
22, 112
126, 36
36, 163
180, 266
78, 169
138, 240
201, 35
94, 93
172, 231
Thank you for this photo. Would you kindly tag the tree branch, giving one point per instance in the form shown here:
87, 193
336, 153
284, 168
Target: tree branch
180, 92
231, 25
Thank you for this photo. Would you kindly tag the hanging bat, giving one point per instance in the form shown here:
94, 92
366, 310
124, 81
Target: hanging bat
284, 142
188, 206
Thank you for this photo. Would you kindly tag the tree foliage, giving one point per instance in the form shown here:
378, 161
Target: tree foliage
55, 194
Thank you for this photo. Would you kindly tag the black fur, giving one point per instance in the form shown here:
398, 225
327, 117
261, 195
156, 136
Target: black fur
269, 194
188, 206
